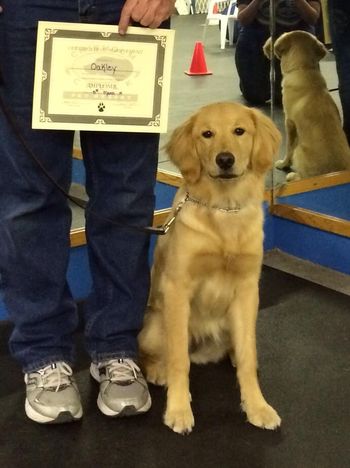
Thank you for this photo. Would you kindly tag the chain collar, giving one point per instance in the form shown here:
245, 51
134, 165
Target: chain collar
165, 228
236, 209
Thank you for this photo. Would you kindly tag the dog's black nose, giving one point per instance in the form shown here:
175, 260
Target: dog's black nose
225, 160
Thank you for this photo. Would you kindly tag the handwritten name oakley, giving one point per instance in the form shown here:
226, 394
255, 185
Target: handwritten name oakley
104, 68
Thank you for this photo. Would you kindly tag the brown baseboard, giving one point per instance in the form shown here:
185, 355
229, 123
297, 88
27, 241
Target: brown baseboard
312, 183
313, 219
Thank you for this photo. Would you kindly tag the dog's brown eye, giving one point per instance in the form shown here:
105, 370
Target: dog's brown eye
207, 134
239, 131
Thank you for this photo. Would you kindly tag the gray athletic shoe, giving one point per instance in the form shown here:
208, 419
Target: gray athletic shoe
123, 389
52, 395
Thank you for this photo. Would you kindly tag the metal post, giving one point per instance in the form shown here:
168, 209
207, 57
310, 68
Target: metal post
272, 63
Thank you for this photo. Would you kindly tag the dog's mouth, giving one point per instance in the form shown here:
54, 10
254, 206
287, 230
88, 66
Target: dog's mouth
225, 176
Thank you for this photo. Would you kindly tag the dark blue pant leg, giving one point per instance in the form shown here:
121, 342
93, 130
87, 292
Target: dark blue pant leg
121, 172
339, 22
34, 216
253, 67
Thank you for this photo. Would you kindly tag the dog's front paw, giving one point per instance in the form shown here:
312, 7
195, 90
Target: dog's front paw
180, 420
264, 416
281, 164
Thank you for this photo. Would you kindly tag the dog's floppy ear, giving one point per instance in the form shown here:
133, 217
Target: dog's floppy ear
267, 48
319, 49
281, 45
182, 151
267, 141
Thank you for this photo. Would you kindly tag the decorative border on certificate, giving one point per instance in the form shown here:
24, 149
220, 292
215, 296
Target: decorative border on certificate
89, 77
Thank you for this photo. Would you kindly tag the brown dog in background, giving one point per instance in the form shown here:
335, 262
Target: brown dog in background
204, 295
316, 143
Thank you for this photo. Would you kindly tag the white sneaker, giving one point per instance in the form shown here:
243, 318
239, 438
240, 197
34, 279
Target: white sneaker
123, 388
52, 395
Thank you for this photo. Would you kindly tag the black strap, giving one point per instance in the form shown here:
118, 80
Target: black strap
80, 203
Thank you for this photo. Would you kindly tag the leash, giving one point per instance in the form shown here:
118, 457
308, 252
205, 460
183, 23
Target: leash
159, 230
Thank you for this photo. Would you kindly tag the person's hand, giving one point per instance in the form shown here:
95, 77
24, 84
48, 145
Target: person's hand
149, 13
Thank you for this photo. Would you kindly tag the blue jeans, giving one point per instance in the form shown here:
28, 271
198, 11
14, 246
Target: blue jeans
35, 218
253, 67
339, 22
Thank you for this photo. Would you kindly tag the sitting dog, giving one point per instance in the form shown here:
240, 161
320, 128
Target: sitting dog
204, 295
316, 143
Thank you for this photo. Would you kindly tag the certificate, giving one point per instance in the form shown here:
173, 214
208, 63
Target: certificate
89, 77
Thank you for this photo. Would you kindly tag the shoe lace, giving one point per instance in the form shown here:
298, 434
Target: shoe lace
122, 370
56, 375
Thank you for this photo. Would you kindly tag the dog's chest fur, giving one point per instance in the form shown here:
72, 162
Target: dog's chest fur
216, 274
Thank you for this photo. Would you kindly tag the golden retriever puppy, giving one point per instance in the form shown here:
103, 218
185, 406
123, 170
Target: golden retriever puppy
316, 143
204, 295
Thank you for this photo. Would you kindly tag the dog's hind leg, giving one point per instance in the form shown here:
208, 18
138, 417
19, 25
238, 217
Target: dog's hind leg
243, 315
151, 344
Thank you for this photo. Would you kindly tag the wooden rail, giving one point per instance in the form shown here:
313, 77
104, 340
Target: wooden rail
313, 219
303, 216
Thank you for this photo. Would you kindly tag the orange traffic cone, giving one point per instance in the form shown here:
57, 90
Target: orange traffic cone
198, 64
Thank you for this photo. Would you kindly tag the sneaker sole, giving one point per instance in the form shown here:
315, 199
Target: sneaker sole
126, 411
63, 417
